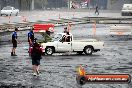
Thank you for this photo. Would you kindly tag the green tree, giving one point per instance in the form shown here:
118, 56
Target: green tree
43, 3
114, 1
24, 4
76, 0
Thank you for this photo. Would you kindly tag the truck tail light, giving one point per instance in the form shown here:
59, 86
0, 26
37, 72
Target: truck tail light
43, 49
41, 46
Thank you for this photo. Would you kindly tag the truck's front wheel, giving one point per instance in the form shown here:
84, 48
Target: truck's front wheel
49, 50
88, 50
16, 13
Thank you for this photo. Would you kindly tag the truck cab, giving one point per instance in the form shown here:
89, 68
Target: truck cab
64, 42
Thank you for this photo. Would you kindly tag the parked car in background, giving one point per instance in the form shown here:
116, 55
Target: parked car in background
8, 11
126, 10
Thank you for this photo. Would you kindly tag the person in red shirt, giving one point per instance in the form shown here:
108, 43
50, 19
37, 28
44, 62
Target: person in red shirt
36, 55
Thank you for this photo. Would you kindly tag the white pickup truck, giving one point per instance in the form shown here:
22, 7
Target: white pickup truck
62, 43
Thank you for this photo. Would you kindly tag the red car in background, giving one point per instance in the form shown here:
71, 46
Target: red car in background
43, 28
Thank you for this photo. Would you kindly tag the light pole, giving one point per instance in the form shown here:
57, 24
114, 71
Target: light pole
89, 3
68, 4
32, 5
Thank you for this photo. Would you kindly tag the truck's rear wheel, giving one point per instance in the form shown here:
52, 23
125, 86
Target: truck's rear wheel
88, 50
49, 50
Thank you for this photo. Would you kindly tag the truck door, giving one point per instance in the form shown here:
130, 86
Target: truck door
13, 11
65, 44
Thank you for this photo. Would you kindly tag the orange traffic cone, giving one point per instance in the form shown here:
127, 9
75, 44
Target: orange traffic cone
9, 19
94, 29
24, 19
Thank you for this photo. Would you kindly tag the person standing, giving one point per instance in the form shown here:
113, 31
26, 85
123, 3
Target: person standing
30, 37
97, 10
67, 38
14, 42
36, 54
65, 30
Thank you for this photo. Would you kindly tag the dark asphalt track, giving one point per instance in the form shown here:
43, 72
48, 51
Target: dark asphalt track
59, 70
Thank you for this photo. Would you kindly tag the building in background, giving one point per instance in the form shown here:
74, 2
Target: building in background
102, 4
117, 4
59, 4
105, 4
